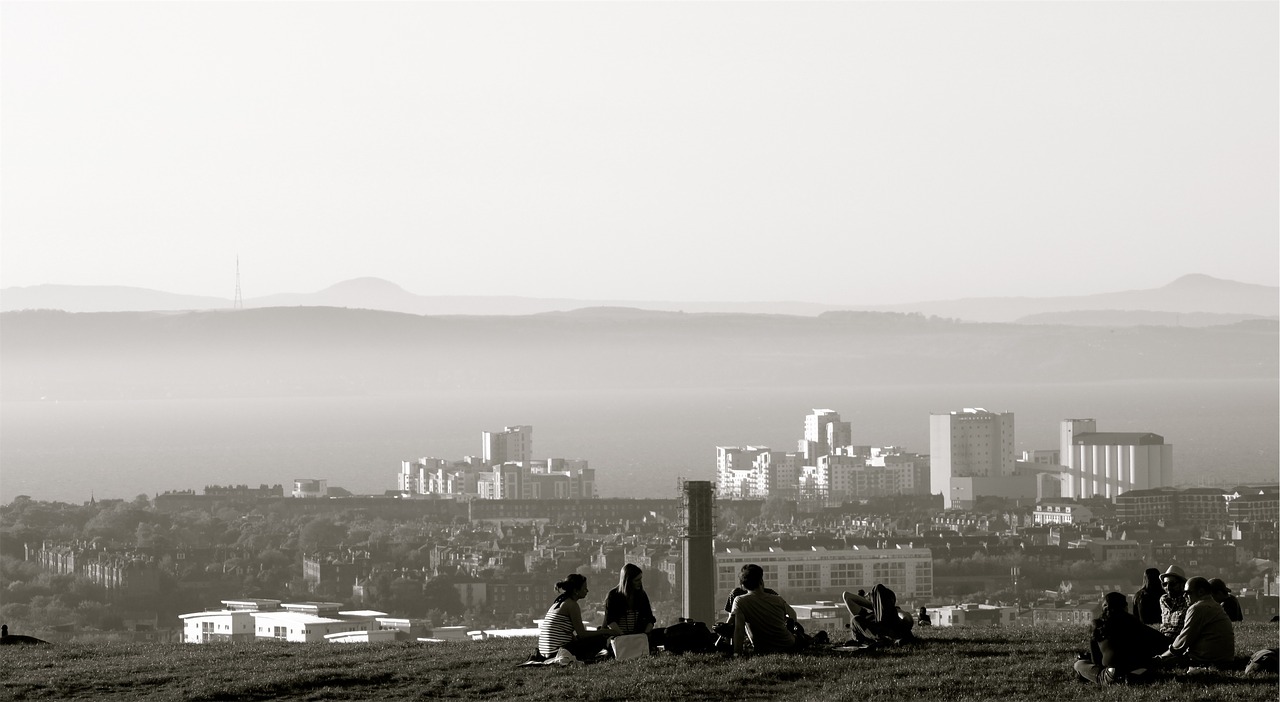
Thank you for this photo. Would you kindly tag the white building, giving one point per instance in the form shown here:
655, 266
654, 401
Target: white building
971, 443
824, 433
794, 574
1060, 512
824, 615
216, 626
511, 445
972, 615
310, 488
1106, 464
826, 466
245, 620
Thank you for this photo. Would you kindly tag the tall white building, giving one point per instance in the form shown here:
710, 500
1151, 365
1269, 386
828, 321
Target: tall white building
511, 445
823, 434
971, 443
1106, 464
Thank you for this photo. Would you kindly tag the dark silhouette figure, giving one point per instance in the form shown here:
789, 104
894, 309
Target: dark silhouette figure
17, 639
1146, 602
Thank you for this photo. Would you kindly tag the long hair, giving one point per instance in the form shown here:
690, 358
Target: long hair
571, 583
627, 584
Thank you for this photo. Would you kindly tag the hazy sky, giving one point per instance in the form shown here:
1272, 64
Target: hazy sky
829, 152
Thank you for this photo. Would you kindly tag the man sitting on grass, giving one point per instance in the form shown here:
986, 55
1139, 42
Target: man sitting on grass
761, 617
1206, 638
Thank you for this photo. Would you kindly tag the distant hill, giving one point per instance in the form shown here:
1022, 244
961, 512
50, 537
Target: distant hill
1134, 318
291, 351
102, 298
1191, 294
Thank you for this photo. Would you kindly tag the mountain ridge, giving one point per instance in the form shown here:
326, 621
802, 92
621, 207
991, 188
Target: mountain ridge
1193, 293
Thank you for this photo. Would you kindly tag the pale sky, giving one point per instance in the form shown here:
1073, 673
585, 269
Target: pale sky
829, 152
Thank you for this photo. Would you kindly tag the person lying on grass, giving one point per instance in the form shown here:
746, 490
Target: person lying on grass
761, 617
1121, 648
562, 626
876, 620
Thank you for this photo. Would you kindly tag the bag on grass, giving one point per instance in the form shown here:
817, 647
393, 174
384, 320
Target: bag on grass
630, 646
689, 636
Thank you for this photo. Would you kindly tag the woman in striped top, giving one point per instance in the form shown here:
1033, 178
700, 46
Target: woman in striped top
562, 626
627, 607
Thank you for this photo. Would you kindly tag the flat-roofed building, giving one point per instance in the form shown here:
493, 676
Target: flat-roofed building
799, 574
970, 443
824, 615
972, 615
1107, 464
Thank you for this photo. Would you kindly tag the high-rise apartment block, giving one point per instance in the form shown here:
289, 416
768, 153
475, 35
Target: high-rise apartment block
1107, 464
511, 445
825, 466
968, 451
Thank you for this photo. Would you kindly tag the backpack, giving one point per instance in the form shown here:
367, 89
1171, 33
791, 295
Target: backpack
1264, 661
689, 636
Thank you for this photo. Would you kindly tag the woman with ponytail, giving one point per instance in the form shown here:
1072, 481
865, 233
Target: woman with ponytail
562, 626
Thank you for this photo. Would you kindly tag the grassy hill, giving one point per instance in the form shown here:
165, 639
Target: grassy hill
953, 664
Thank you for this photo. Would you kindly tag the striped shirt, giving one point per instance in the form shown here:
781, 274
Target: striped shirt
554, 631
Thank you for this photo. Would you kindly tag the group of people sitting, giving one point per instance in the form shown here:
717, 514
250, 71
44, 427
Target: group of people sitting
760, 620
1176, 622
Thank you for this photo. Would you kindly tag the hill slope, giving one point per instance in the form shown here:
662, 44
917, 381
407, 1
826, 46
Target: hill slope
316, 350
962, 664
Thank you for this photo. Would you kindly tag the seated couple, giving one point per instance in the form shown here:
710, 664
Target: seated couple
627, 611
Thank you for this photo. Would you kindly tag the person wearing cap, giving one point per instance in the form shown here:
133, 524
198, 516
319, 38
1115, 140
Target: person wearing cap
1222, 595
1173, 603
1207, 637
1146, 602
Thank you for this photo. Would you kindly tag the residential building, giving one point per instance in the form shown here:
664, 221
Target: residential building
1060, 512
504, 471
511, 445
1256, 505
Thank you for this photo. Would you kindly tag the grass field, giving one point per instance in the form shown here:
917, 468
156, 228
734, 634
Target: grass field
947, 664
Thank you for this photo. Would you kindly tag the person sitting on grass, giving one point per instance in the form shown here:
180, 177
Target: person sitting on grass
761, 617
1121, 648
1173, 603
1146, 601
1207, 637
627, 607
1222, 595
562, 626
877, 620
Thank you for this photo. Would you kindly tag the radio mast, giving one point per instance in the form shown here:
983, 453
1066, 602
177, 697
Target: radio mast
239, 301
